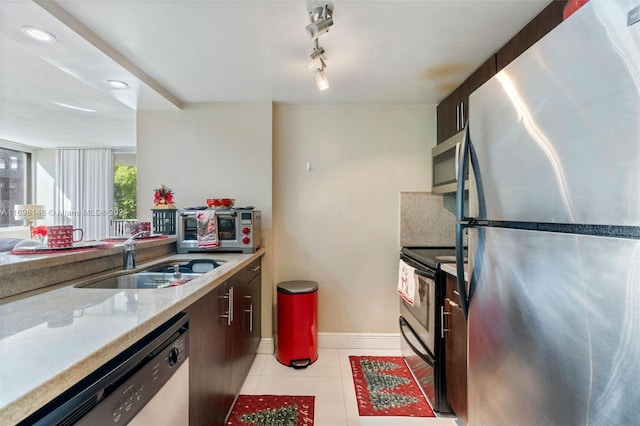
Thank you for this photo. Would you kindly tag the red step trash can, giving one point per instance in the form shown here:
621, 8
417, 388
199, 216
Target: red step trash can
297, 338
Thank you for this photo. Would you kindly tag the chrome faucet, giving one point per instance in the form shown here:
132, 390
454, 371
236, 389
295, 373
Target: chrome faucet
176, 271
129, 253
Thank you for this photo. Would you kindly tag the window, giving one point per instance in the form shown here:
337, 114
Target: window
125, 174
14, 184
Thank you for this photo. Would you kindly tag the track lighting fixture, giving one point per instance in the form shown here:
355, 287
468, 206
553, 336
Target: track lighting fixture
321, 19
316, 56
321, 77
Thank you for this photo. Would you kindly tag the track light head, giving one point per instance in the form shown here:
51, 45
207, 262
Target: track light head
321, 19
316, 57
321, 78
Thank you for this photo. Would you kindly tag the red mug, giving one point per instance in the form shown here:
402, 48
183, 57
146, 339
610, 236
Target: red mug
61, 236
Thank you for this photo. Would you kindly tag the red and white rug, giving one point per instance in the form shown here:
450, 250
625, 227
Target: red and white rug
385, 387
272, 410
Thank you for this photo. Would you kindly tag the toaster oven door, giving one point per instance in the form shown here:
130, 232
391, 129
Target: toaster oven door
227, 228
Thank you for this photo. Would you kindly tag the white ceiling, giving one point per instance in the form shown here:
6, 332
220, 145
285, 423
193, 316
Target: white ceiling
177, 51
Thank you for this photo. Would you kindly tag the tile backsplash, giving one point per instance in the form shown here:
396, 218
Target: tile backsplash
426, 219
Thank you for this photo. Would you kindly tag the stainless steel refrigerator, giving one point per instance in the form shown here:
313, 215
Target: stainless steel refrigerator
553, 145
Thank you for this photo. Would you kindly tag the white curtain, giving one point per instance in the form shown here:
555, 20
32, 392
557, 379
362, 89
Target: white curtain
84, 195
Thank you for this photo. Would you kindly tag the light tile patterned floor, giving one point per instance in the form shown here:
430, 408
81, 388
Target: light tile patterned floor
329, 380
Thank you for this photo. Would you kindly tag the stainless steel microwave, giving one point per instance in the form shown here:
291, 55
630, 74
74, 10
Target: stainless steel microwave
445, 164
239, 230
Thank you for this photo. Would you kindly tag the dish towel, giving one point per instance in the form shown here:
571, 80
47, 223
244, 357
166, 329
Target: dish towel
207, 229
407, 283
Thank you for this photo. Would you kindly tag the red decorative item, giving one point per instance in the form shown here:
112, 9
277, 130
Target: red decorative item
385, 387
220, 203
272, 410
571, 7
162, 196
40, 231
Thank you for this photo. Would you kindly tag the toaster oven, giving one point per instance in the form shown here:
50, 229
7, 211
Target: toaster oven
239, 230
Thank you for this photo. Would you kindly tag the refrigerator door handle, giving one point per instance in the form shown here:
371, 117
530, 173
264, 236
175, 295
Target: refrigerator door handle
462, 286
457, 159
460, 225
462, 154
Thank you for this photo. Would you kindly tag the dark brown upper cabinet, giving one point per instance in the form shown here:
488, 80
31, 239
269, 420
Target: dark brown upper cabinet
544, 22
453, 112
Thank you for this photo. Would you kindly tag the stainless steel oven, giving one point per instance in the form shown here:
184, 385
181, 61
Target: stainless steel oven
422, 313
422, 340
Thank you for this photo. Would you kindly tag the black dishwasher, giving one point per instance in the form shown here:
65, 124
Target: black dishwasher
117, 391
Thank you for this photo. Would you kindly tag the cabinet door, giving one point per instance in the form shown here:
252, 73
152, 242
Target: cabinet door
456, 359
455, 338
253, 312
249, 320
234, 337
448, 116
539, 26
208, 399
453, 111
475, 80
244, 333
222, 335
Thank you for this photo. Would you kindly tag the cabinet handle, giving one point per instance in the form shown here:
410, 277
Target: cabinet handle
442, 314
230, 306
461, 115
257, 268
250, 312
457, 117
226, 313
229, 312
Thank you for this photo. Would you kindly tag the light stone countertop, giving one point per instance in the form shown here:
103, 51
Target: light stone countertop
51, 340
18, 263
29, 272
450, 268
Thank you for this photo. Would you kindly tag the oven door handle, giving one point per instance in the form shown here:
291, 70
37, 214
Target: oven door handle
423, 354
427, 274
419, 269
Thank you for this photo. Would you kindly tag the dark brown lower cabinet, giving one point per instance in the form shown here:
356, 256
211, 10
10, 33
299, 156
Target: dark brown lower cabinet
455, 352
221, 324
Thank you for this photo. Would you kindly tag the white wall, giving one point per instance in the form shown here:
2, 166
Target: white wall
211, 151
339, 223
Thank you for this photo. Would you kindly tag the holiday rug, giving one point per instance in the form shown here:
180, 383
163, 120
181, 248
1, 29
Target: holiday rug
385, 387
272, 410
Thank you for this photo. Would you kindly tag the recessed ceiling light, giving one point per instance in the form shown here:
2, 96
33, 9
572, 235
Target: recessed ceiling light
117, 84
75, 107
39, 34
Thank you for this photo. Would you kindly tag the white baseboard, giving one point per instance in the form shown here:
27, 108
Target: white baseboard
266, 346
344, 341
359, 340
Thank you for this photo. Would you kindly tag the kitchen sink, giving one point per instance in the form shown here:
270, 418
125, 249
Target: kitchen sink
141, 280
192, 266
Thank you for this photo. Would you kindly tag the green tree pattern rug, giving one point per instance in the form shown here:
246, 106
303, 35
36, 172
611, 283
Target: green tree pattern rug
385, 387
272, 410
